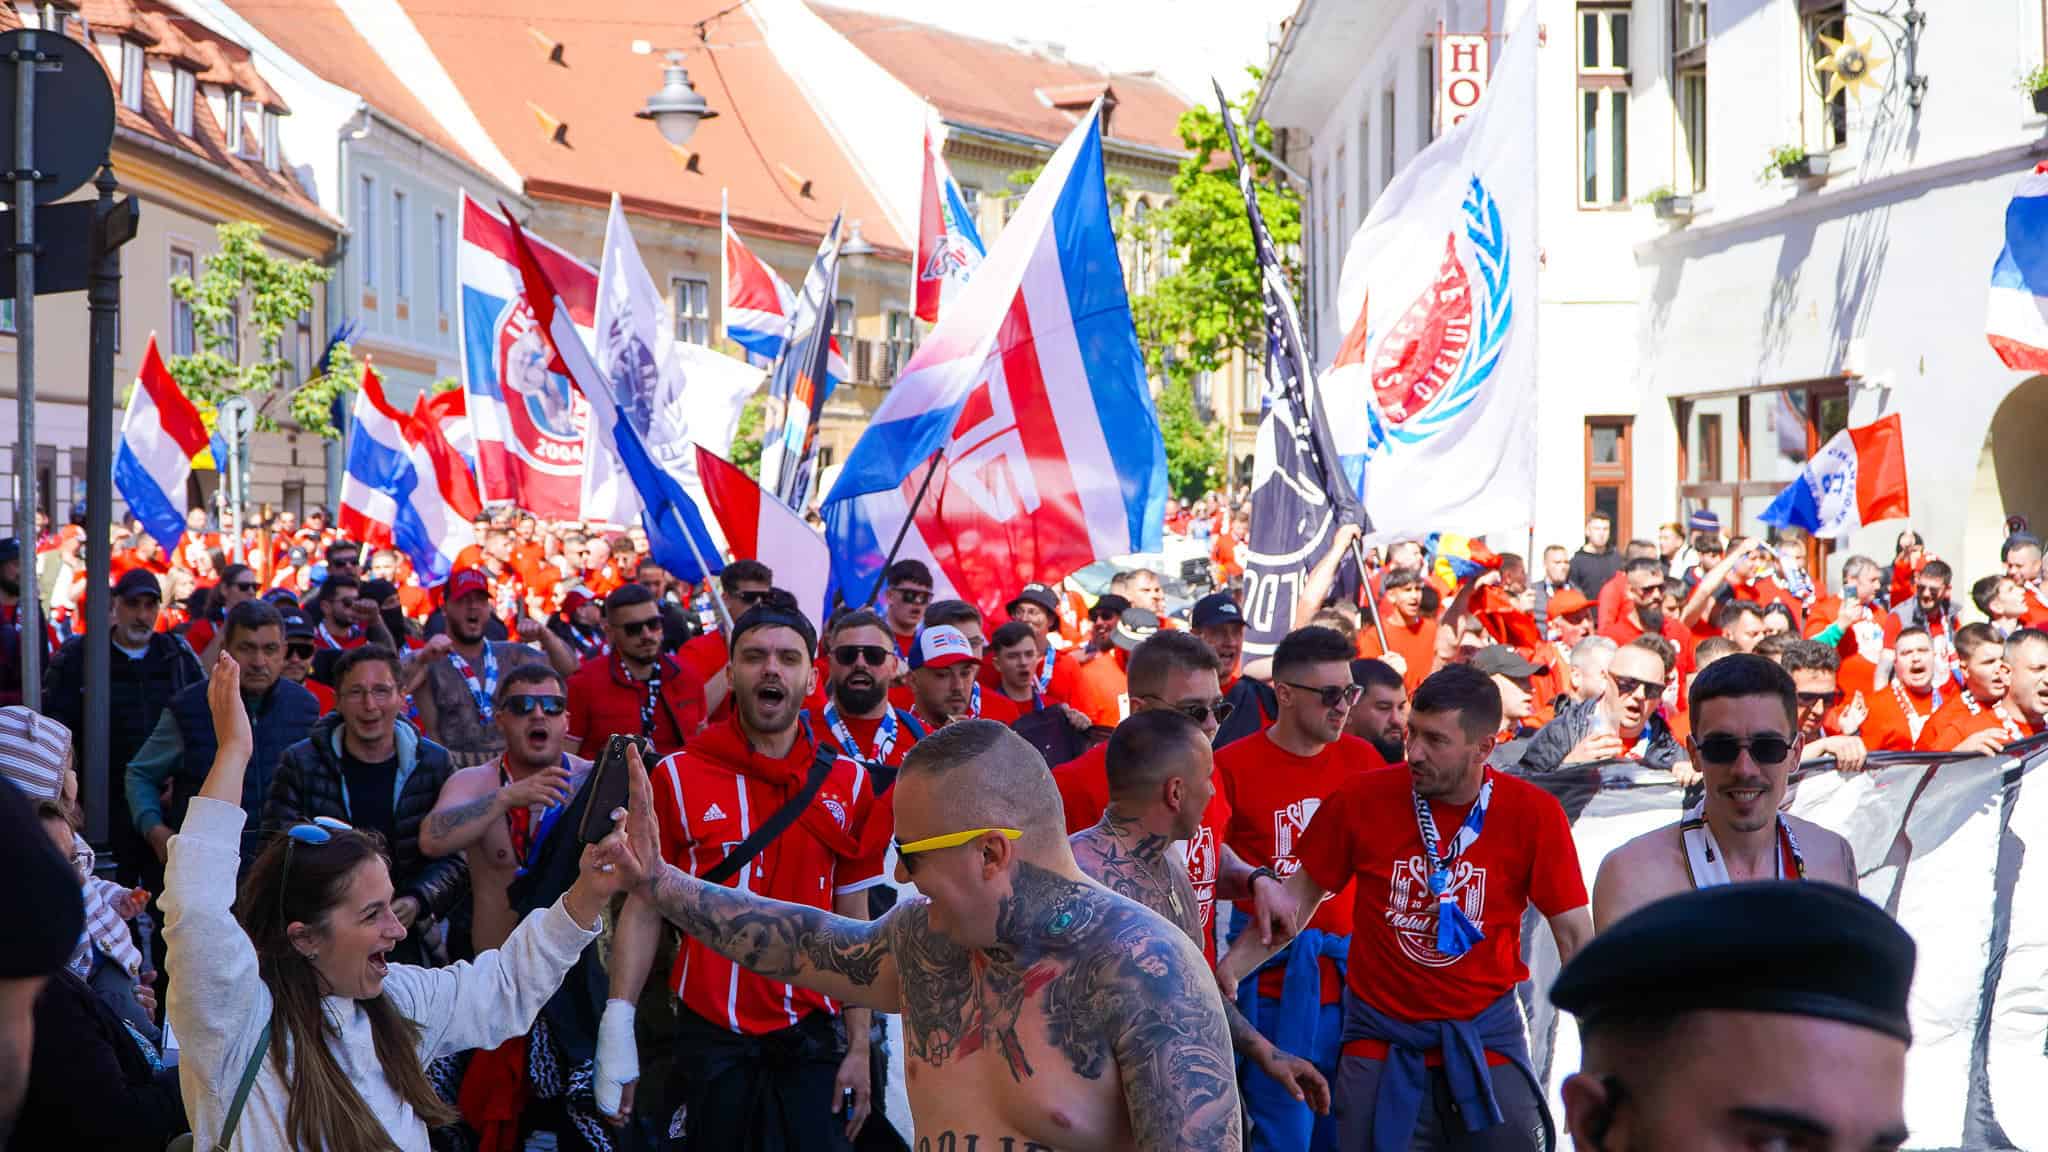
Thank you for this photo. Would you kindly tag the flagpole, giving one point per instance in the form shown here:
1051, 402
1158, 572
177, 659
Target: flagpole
724, 273
1371, 601
704, 570
909, 514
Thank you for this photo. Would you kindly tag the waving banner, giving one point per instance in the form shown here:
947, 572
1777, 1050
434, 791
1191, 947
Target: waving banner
1957, 851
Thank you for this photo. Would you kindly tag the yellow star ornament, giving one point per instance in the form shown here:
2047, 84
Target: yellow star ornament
1849, 64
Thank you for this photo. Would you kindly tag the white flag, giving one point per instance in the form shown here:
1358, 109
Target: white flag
676, 395
1432, 395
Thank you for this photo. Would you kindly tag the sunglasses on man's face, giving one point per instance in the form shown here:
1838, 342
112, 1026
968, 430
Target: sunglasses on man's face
1199, 710
299, 651
524, 705
1766, 748
1819, 699
247, 586
1627, 686
873, 655
911, 596
1331, 696
752, 596
640, 627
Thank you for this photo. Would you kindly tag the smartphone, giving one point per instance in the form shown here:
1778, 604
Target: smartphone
608, 786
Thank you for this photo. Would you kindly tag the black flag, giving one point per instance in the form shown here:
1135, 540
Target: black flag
1299, 496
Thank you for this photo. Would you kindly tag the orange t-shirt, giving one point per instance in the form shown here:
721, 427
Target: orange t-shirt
1955, 722
1887, 728
1101, 690
1415, 644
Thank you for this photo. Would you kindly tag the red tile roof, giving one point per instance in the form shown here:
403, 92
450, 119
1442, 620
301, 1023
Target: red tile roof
1007, 88
557, 89
319, 36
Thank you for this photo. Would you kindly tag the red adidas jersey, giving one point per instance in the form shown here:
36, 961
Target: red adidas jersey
1365, 838
1084, 793
707, 805
867, 736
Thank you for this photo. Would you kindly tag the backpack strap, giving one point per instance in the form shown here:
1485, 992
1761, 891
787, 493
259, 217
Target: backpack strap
752, 846
255, 1065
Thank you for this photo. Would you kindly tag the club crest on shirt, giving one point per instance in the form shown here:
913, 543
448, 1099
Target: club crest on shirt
1411, 907
1288, 825
837, 810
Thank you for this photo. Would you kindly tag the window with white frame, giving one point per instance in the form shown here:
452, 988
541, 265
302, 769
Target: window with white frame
366, 235
902, 341
273, 145
1390, 157
1689, 85
401, 246
184, 329
1603, 104
183, 91
692, 304
444, 265
842, 320
133, 65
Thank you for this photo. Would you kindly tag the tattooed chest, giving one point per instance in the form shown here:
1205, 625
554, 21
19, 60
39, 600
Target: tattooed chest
973, 1006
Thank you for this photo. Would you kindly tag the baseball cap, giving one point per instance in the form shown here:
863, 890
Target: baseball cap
1565, 603
466, 582
296, 626
576, 596
1215, 608
1039, 594
1703, 520
1501, 660
137, 582
1134, 627
940, 646
1108, 604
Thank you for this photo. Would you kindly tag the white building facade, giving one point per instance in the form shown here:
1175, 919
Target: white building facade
1696, 357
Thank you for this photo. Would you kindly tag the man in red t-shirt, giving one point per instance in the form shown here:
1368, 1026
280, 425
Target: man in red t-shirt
909, 584
745, 1037
1900, 709
635, 689
1161, 781
1828, 720
1411, 633
1644, 611
1975, 719
1443, 860
2021, 554
855, 716
741, 584
1102, 692
2026, 663
1274, 782
1038, 606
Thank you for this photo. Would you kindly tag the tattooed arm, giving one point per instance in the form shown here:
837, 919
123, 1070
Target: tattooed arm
845, 959
1161, 1010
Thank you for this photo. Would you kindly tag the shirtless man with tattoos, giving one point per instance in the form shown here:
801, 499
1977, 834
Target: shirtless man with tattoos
1041, 1010
1160, 782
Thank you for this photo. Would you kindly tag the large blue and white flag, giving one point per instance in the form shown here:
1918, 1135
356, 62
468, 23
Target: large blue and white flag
1432, 395
676, 535
675, 395
1028, 405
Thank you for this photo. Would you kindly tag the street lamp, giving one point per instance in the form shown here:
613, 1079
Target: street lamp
677, 108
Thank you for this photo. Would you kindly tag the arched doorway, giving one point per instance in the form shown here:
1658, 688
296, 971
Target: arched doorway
2012, 477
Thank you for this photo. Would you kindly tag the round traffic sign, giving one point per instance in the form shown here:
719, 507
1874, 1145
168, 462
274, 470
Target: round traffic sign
74, 105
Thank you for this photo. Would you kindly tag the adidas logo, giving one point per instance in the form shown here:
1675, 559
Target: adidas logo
713, 813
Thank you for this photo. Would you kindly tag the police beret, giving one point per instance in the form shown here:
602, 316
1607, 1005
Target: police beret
1780, 947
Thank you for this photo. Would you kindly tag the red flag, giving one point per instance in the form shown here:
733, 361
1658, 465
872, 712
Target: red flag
759, 527
427, 429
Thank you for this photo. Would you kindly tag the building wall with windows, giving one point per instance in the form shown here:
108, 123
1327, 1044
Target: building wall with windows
1785, 309
1354, 87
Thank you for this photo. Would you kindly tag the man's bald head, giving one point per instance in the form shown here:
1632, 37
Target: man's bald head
980, 774
1147, 748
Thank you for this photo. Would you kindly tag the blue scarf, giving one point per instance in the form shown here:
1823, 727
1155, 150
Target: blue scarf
1455, 932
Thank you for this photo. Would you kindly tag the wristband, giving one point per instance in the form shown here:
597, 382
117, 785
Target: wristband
1262, 870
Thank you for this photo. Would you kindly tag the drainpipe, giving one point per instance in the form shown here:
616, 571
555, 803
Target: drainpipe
338, 294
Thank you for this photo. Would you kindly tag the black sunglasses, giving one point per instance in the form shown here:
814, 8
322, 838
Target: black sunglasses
752, 597
523, 704
299, 651
640, 627
247, 586
874, 655
1332, 696
1767, 748
1627, 686
910, 595
1200, 712
1824, 699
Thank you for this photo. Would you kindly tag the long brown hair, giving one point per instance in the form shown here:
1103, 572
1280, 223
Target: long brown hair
323, 1108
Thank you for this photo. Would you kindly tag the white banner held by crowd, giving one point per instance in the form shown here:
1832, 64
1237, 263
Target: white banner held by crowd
1432, 394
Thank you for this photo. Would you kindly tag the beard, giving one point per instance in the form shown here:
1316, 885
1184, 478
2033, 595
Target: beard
1392, 749
1653, 618
461, 631
859, 699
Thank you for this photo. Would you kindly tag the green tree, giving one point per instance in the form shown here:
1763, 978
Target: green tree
746, 439
1194, 449
1209, 304
243, 304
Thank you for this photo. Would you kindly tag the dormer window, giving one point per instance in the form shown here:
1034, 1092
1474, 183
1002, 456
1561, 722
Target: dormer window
233, 128
133, 65
183, 92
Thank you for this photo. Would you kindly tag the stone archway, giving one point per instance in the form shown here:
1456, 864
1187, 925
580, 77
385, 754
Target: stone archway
2011, 478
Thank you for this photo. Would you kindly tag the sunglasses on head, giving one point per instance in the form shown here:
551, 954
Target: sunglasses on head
1200, 711
911, 595
319, 830
1627, 686
1332, 696
524, 704
873, 655
640, 627
1766, 749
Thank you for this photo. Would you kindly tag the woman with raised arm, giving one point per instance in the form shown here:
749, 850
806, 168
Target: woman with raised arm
295, 1031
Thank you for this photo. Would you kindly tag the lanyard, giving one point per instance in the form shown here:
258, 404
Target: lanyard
2012, 730
518, 821
974, 702
1914, 717
332, 642
482, 692
885, 735
1455, 932
650, 697
1045, 670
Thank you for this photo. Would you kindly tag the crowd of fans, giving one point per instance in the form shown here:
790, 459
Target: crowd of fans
452, 730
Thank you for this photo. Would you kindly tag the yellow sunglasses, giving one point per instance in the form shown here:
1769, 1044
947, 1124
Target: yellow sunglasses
952, 840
